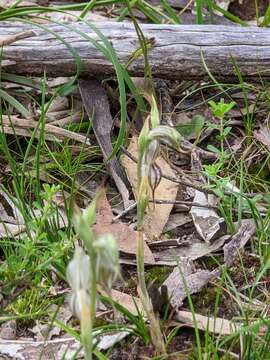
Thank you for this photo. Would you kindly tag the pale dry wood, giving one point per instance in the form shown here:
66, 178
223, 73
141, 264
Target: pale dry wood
215, 325
10, 39
23, 127
176, 52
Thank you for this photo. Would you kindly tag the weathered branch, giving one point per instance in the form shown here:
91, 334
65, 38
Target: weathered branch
176, 52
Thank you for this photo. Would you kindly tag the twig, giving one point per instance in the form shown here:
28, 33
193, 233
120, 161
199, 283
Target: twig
7, 40
185, 182
125, 211
183, 202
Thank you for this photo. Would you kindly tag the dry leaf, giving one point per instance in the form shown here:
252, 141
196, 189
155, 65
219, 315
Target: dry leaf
125, 236
133, 304
106, 341
60, 103
156, 215
194, 282
263, 135
238, 241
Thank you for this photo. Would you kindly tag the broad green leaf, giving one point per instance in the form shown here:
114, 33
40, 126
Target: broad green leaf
191, 129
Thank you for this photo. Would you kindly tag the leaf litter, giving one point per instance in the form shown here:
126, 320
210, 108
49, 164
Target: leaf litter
126, 237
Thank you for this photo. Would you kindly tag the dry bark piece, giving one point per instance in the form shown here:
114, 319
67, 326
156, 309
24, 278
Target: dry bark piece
176, 220
215, 325
192, 248
10, 230
165, 102
238, 241
8, 3
9, 212
8, 330
28, 349
123, 234
206, 221
156, 215
181, 283
96, 104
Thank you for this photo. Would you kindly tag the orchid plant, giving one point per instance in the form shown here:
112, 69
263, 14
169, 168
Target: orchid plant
85, 271
149, 177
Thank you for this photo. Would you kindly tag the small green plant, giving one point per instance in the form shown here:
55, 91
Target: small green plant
149, 177
85, 272
219, 110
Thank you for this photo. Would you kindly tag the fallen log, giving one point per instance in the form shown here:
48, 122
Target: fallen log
176, 51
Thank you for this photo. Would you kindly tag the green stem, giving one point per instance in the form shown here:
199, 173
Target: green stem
86, 328
155, 331
87, 8
93, 297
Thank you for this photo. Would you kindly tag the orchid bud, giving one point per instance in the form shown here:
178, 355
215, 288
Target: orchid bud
107, 260
151, 152
79, 277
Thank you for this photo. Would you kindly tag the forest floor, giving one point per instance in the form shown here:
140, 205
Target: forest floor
206, 226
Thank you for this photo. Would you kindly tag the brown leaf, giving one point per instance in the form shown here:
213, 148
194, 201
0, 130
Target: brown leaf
156, 215
131, 303
238, 241
125, 236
